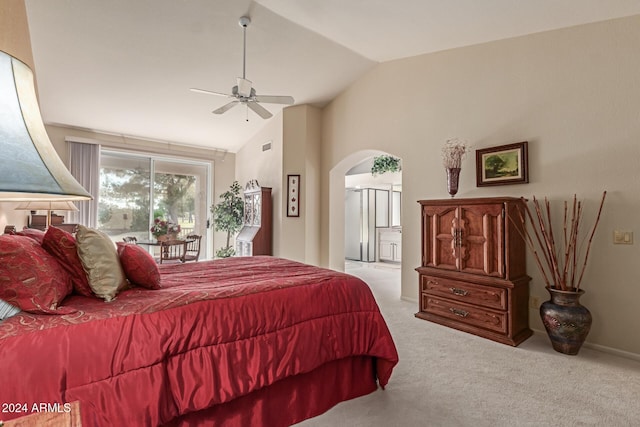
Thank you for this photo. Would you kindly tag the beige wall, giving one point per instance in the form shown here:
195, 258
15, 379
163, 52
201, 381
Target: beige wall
266, 167
574, 94
295, 149
311, 185
301, 156
14, 31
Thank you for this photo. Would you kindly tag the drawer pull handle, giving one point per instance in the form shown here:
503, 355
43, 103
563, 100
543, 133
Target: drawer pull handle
432, 282
459, 312
459, 292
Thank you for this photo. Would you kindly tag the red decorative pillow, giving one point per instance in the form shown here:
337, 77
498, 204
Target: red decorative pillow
34, 233
62, 246
139, 266
30, 278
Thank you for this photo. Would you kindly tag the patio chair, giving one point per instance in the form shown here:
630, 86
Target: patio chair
192, 252
172, 251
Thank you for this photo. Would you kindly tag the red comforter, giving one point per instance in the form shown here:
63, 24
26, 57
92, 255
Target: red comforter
216, 331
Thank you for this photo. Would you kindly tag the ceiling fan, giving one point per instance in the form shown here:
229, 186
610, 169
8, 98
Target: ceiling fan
243, 92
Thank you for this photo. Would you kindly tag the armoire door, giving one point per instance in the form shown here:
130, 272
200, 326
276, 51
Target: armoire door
466, 238
439, 248
481, 239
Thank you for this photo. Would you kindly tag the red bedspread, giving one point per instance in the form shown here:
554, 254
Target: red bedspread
216, 331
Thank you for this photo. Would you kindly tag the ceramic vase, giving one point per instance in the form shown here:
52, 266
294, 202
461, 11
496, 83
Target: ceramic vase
567, 321
453, 176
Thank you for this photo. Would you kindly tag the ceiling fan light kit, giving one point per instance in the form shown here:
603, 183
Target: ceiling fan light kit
243, 91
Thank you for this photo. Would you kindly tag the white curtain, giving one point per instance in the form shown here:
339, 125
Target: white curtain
84, 165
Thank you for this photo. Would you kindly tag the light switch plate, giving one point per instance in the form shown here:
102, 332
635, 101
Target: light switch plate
623, 237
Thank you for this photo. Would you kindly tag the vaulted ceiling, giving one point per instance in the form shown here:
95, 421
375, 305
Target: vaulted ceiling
126, 66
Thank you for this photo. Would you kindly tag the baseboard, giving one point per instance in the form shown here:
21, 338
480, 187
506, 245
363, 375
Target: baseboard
598, 347
614, 351
602, 348
411, 300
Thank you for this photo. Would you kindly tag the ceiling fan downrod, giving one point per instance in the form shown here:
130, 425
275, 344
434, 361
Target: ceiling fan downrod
244, 23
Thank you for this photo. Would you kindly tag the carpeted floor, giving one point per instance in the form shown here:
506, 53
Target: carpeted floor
450, 378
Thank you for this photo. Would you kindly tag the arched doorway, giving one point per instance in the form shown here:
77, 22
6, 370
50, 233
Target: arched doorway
341, 177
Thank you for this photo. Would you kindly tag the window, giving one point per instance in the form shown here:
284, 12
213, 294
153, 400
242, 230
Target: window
135, 189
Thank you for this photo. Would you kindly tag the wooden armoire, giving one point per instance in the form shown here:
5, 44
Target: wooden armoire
473, 271
256, 235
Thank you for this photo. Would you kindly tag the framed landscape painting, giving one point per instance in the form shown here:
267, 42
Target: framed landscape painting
502, 165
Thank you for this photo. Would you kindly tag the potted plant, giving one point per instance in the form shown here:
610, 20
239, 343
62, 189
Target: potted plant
385, 163
453, 152
163, 230
227, 216
562, 260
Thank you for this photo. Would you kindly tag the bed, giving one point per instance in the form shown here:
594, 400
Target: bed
247, 341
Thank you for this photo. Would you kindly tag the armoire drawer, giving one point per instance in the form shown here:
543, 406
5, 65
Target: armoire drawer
477, 316
470, 293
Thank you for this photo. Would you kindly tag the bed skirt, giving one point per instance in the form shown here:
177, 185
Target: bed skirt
292, 399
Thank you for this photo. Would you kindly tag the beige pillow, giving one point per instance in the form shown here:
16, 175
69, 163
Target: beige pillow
100, 261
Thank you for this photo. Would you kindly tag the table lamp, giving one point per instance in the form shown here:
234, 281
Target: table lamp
30, 168
47, 205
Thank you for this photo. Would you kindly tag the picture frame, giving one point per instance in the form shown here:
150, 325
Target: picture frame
502, 165
293, 195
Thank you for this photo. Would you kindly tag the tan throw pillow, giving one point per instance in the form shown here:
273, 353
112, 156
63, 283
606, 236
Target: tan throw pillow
100, 261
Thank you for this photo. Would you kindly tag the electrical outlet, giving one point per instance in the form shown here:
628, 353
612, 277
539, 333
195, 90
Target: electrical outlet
623, 237
534, 302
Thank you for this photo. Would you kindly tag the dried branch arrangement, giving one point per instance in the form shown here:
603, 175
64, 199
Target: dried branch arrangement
453, 151
562, 263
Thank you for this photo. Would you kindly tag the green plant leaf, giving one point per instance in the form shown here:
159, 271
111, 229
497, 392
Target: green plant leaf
384, 163
228, 215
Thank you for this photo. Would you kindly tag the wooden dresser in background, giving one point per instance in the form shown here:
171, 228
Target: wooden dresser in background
473, 271
40, 222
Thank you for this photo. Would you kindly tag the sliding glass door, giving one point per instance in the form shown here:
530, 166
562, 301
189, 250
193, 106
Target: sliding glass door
180, 195
136, 189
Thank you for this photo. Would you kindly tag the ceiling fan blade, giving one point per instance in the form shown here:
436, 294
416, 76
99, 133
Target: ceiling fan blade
259, 110
226, 107
273, 99
208, 92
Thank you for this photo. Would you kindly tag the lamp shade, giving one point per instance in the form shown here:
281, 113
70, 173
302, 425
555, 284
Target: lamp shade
30, 168
46, 205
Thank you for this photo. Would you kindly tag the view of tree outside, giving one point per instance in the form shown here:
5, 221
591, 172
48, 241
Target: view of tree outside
123, 207
126, 193
174, 197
